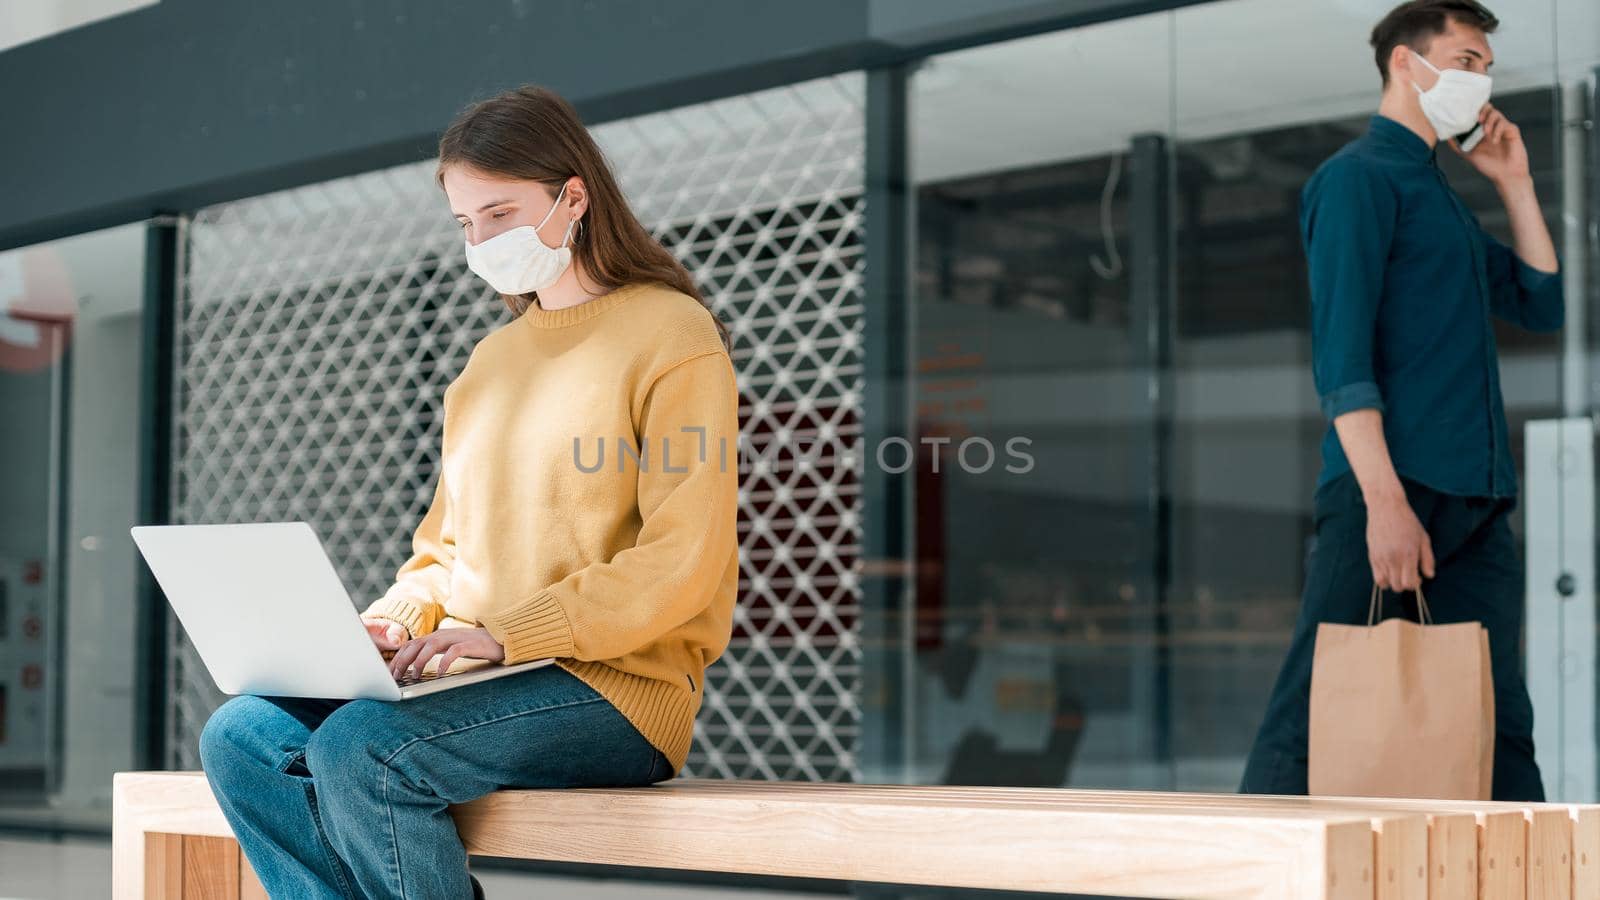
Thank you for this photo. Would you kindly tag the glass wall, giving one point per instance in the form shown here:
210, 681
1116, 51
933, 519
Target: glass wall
1108, 268
70, 357
1037, 657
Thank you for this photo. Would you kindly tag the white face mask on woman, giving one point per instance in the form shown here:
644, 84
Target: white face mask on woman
1453, 103
516, 261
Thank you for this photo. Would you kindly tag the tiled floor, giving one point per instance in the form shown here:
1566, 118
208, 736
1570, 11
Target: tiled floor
54, 870
80, 869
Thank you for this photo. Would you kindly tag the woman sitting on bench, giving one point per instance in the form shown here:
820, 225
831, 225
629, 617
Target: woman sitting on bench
584, 512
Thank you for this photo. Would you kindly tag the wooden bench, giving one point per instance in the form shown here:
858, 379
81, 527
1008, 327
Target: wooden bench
171, 841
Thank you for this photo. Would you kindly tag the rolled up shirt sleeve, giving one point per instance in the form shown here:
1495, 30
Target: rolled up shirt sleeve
1347, 221
1519, 293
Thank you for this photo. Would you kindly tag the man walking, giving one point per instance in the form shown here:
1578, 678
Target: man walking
1417, 480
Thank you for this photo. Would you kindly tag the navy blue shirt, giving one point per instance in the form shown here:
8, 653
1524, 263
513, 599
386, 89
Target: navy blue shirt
1403, 283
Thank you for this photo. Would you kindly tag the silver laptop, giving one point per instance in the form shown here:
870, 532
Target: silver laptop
269, 615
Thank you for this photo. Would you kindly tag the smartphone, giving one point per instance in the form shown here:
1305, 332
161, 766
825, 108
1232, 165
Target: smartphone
1466, 140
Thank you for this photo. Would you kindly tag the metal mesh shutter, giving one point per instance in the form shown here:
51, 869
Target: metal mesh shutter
320, 325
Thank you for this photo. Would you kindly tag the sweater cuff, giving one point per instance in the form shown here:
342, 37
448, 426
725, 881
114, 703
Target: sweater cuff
535, 629
404, 610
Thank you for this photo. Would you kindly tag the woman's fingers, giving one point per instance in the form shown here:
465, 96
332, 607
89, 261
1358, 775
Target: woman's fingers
435, 644
452, 643
400, 657
450, 656
416, 652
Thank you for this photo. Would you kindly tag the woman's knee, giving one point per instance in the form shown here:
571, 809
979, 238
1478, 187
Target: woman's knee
348, 743
241, 731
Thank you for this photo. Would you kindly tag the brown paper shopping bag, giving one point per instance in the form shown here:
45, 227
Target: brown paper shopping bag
1402, 709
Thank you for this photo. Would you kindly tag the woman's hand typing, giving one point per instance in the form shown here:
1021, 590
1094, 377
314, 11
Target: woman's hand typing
453, 643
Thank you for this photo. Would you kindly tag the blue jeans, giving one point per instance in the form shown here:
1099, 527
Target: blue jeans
347, 799
1477, 578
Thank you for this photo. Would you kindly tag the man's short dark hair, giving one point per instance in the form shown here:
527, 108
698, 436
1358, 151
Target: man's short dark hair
1417, 22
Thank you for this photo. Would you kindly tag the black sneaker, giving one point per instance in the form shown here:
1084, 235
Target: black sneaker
477, 889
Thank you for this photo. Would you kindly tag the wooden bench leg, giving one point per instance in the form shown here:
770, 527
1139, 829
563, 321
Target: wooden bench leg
192, 867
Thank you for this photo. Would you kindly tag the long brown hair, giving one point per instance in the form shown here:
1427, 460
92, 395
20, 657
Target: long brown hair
531, 133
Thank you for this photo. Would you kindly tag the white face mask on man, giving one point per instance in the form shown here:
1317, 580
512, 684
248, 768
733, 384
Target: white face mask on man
1453, 103
517, 261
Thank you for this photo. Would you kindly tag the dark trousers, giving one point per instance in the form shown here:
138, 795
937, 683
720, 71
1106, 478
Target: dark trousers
1478, 578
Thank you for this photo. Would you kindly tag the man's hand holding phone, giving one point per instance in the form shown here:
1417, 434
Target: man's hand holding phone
1498, 152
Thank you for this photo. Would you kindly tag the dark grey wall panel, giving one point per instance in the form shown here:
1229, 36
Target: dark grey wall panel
933, 25
193, 102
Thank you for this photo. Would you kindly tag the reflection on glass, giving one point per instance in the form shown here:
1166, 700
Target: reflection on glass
1036, 626
70, 356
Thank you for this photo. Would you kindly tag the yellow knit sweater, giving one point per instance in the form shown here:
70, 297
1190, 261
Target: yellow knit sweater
625, 573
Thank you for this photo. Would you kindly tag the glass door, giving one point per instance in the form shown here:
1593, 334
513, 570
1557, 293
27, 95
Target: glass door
1559, 473
36, 308
71, 345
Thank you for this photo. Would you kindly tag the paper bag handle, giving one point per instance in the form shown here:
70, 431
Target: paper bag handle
1423, 614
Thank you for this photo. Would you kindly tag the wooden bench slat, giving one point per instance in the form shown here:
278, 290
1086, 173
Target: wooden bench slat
1585, 851
1443, 867
1549, 855
1506, 843
249, 885
163, 867
1404, 847
1501, 844
1400, 860
210, 867
1133, 849
1452, 856
1402, 844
